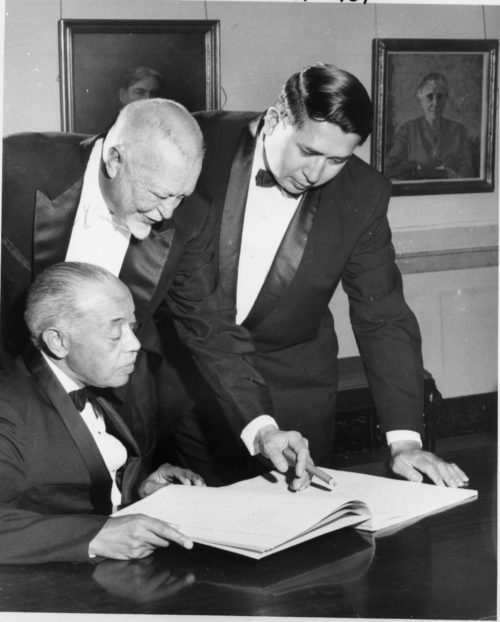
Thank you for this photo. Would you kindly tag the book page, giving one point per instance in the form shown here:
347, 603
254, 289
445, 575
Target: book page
396, 501
254, 520
390, 501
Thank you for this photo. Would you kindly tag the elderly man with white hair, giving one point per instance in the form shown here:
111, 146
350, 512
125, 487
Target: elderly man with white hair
126, 201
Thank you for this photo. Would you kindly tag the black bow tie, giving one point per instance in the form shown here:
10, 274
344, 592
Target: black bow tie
265, 179
79, 398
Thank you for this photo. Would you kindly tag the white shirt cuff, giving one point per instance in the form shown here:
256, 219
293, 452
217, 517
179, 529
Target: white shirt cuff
250, 431
403, 435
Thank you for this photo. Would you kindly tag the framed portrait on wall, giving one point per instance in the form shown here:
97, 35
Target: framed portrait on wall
183, 56
435, 108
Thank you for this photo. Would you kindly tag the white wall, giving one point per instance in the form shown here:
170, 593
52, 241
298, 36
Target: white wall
458, 314
262, 43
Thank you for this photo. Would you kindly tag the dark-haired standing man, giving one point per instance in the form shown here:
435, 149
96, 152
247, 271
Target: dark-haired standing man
299, 213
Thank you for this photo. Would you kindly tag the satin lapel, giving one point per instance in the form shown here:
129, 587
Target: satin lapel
100, 478
234, 210
54, 219
116, 425
127, 476
53, 225
143, 266
287, 260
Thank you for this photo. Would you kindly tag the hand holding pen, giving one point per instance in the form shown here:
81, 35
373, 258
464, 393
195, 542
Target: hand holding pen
311, 469
272, 443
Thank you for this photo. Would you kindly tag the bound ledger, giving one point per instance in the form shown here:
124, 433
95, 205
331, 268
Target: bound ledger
260, 516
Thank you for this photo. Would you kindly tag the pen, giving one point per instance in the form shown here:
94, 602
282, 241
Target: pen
313, 470
324, 477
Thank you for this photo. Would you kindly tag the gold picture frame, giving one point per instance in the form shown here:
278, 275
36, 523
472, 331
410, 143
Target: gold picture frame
459, 156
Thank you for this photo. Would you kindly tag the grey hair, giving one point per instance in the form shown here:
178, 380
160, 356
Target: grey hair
54, 298
141, 121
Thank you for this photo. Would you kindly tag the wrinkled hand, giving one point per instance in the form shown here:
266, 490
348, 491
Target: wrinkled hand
271, 443
169, 474
410, 461
135, 536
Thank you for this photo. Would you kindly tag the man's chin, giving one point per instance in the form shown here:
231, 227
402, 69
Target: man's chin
138, 229
293, 187
141, 233
119, 380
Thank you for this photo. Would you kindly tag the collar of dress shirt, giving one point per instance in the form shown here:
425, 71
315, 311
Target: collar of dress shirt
259, 161
258, 158
92, 205
68, 383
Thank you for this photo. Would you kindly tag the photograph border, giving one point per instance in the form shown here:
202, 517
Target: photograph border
380, 50
68, 28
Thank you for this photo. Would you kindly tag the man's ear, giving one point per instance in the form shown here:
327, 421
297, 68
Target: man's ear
271, 120
55, 342
121, 95
113, 161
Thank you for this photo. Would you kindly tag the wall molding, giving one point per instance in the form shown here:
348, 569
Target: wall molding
450, 259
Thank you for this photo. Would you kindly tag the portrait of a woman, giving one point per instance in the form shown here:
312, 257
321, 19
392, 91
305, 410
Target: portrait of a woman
430, 146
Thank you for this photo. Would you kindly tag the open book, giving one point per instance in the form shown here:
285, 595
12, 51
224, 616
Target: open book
260, 516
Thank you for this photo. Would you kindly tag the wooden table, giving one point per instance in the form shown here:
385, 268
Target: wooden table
443, 566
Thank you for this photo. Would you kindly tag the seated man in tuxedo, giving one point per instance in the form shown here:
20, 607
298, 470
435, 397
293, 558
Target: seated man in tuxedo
62, 471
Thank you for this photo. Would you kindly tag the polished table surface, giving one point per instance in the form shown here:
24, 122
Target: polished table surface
441, 567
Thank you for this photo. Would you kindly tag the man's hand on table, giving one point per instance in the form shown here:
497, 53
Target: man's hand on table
169, 474
410, 461
272, 442
135, 536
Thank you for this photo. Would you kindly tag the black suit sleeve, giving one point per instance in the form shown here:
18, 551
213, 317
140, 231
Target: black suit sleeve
27, 533
386, 330
17, 217
204, 320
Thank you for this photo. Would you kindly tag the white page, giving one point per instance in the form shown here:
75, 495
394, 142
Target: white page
251, 519
343, 520
391, 501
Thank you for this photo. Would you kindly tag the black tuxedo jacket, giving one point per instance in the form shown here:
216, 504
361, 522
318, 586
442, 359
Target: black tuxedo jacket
54, 485
339, 234
173, 267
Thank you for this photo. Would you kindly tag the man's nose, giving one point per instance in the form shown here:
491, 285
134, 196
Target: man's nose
313, 170
167, 207
132, 343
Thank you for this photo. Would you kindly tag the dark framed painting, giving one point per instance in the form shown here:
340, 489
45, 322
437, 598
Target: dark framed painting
97, 56
435, 109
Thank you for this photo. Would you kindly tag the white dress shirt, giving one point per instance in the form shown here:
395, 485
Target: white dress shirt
268, 214
97, 237
112, 450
